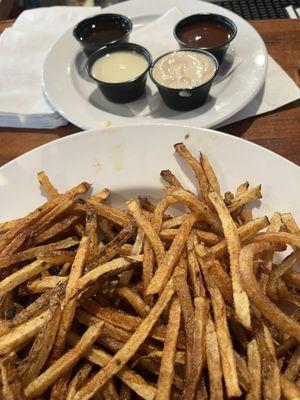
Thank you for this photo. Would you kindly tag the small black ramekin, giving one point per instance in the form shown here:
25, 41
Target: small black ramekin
218, 51
90, 46
122, 92
185, 99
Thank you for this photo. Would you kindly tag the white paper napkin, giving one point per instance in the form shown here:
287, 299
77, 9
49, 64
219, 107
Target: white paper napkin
23, 48
279, 89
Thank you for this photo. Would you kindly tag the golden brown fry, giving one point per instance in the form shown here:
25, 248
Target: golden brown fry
125, 392
58, 228
41, 285
46, 184
109, 391
245, 198
70, 301
129, 348
194, 270
257, 297
210, 174
78, 380
146, 204
91, 232
269, 366
281, 269
195, 205
170, 178
245, 232
290, 223
196, 167
11, 385
112, 214
32, 365
254, 367
289, 389
225, 344
198, 351
279, 237
150, 232
187, 308
240, 298
20, 335
64, 364
292, 370
34, 252
101, 196
206, 237
166, 373
56, 257
134, 300
213, 362
165, 270
126, 375
246, 216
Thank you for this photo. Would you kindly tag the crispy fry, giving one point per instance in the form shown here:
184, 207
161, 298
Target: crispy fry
56, 229
32, 365
165, 270
134, 300
209, 173
290, 223
240, 298
292, 370
78, 380
166, 373
198, 351
245, 198
196, 167
112, 214
101, 196
254, 367
5, 261
129, 349
41, 285
64, 364
146, 204
259, 299
225, 344
125, 392
170, 178
46, 184
213, 362
194, 270
132, 379
11, 385
289, 389
91, 232
70, 301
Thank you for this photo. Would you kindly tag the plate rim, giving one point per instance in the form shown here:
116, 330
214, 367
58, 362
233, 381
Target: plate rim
125, 121
121, 126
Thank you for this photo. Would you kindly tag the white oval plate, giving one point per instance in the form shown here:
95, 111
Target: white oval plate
77, 98
128, 160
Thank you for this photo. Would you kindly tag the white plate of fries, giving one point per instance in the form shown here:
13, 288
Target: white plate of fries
176, 294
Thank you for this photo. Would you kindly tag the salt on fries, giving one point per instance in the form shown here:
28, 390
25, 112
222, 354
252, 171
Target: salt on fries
102, 303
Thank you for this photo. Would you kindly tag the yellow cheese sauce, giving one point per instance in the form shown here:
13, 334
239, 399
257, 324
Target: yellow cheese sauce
184, 69
119, 66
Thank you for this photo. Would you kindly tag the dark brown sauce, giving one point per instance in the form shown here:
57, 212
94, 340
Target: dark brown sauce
104, 32
204, 34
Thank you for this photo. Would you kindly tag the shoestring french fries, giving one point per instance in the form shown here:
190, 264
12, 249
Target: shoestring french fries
98, 302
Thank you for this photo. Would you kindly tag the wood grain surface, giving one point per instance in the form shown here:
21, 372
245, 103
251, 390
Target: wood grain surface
278, 131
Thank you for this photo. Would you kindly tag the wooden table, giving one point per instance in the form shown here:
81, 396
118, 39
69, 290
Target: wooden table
278, 131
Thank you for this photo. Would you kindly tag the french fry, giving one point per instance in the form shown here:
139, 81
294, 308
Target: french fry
101, 196
213, 362
254, 367
290, 223
11, 385
166, 268
257, 297
32, 365
112, 214
91, 232
64, 364
170, 178
289, 389
56, 229
34, 252
240, 298
126, 375
210, 174
125, 392
56, 257
197, 169
194, 269
198, 351
245, 198
129, 349
134, 300
78, 380
41, 285
46, 184
225, 344
292, 370
166, 373
146, 204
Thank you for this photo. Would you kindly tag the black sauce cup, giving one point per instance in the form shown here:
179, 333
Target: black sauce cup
121, 92
114, 28
185, 99
218, 51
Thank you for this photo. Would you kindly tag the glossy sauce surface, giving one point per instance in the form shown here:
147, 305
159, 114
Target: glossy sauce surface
104, 32
184, 69
119, 66
204, 34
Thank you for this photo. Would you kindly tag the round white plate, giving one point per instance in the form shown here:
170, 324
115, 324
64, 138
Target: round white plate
76, 97
128, 161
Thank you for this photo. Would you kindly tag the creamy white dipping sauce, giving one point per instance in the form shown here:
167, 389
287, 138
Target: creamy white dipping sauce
184, 69
119, 66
